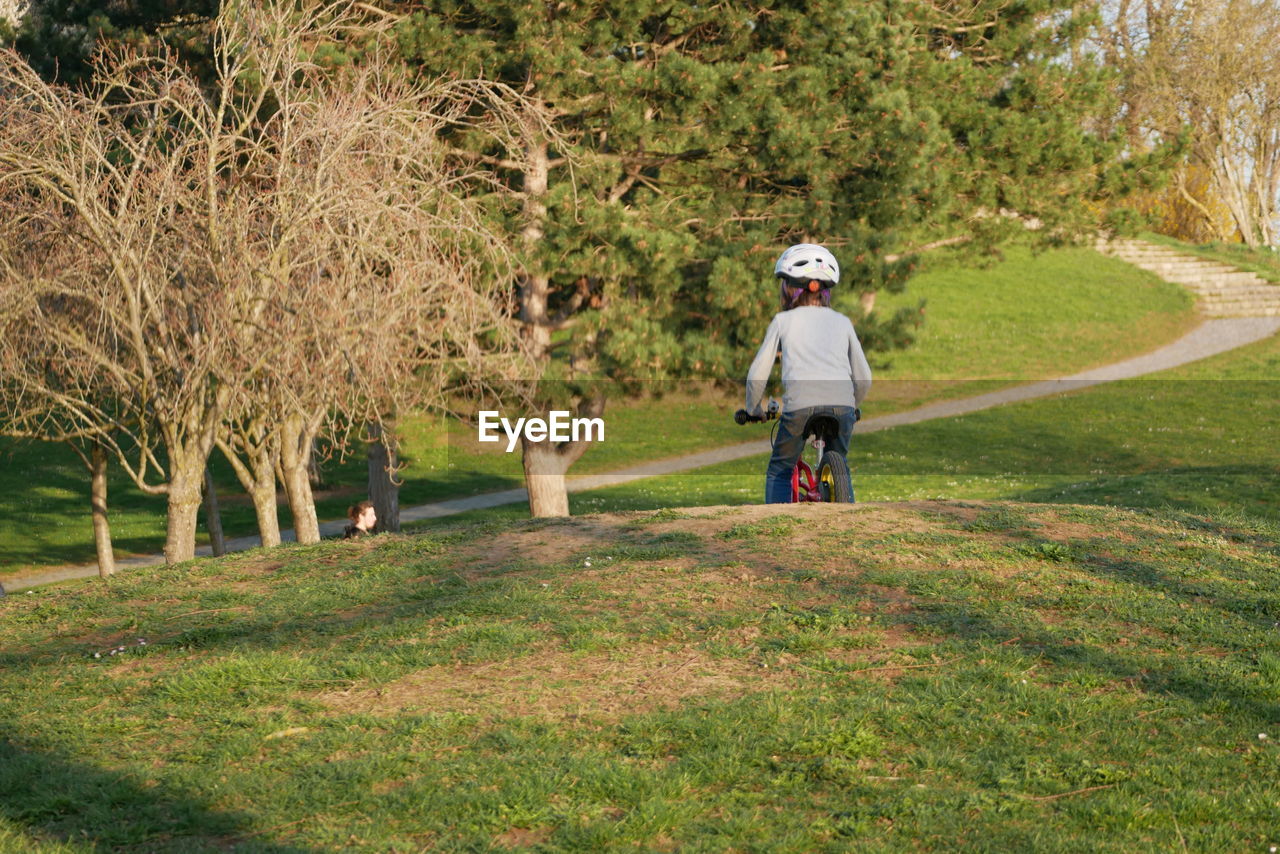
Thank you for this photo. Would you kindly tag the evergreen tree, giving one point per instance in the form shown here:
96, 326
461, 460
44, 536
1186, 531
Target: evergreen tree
59, 37
1033, 148
681, 147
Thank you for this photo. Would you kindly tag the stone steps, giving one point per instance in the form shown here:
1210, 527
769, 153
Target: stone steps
1243, 303
1228, 295
1217, 283
1182, 267
1222, 290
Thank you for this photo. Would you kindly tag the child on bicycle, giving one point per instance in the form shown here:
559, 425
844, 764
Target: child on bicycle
824, 371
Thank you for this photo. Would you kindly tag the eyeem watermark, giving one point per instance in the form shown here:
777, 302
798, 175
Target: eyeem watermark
560, 427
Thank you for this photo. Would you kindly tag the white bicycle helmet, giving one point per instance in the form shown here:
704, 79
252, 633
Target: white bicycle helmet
808, 262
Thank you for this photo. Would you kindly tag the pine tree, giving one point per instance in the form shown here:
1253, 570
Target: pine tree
685, 146
59, 37
1033, 149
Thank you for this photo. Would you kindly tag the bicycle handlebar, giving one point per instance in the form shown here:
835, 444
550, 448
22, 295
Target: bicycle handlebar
743, 417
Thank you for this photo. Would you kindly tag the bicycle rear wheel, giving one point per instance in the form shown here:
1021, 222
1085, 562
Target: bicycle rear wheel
833, 479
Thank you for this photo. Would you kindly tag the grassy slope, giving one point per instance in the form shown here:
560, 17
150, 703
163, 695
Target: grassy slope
925, 676
1028, 317
1204, 438
993, 324
931, 676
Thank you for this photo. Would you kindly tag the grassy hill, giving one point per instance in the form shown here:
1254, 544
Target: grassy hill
1046, 672
883, 677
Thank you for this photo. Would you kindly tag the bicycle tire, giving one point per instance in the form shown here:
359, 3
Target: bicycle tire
833, 479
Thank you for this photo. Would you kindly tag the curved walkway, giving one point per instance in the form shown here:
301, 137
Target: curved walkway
1214, 336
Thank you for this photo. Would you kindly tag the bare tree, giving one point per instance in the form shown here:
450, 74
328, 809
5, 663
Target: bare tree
50, 391
250, 444
1211, 67
289, 252
384, 278
130, 304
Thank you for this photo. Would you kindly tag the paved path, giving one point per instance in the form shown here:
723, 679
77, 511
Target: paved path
1214, 336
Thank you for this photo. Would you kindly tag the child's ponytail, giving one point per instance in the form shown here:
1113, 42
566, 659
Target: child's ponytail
797, 294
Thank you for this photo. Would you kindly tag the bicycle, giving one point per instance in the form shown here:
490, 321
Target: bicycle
828, 481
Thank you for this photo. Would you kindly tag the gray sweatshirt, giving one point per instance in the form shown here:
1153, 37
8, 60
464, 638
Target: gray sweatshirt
822, 361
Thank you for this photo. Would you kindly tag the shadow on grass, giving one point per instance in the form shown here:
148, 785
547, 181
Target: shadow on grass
1189, 679
1203, 490
421, 578
1204, 681
55, 798
423, 589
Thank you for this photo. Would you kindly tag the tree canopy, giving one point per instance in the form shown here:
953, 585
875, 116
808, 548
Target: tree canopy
1029, 114
696, 142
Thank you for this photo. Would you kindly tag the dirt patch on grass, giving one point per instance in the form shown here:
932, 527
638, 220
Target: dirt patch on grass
887, 600
715, 535
768, 523
134, 667
680, 584
522, 837
900, 637
548, 545
558, 684
953, 513
1013, 519
1053, 527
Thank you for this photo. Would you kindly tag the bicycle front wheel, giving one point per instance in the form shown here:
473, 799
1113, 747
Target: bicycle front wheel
833, 479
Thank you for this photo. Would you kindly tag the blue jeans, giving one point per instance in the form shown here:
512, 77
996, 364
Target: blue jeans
788, 444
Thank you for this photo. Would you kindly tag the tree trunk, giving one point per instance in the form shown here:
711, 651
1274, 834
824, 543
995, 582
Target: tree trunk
101, 524
188, 446
384, 492
545, 465
535, 285
213, 516
1231, 189
184, 508
264, 508
544, 470
295, 458
258, 478
867, 299
263, 493
297, 487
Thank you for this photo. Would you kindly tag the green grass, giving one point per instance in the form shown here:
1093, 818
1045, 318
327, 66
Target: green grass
1202, 438
1036, 316
1261, 260
1026, 317
934, 677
